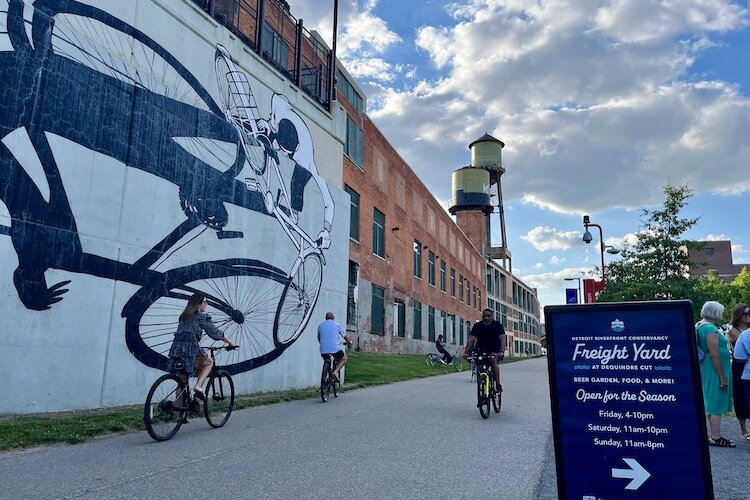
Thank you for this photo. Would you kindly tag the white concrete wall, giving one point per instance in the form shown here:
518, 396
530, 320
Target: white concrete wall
88, 197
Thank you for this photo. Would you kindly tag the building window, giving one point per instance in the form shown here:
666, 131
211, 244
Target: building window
431, 268
274, 49
502, 293
444, 325
378, 233
453, 283
400, 318
353, 213
431, 323
460, 288
417, 320
710, 251
344, 86
377, 314
355, 143
442, 275
351, 300
417, 259
461, 331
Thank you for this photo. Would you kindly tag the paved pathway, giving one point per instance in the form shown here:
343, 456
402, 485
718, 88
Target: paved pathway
417, 439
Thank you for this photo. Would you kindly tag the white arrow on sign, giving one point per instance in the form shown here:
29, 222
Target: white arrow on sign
636, 472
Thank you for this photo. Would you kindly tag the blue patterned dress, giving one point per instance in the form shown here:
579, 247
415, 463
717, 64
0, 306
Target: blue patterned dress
186, 341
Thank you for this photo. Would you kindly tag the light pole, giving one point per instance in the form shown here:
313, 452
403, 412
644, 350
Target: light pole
579, 287
587, 238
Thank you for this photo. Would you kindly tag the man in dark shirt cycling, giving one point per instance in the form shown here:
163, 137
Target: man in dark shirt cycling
488, 336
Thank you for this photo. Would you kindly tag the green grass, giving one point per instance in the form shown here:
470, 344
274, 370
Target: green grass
362, 370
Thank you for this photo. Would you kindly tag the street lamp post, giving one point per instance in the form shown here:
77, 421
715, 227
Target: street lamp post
587, 238
579, 287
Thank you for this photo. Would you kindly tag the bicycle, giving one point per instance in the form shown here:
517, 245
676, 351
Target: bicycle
170, 402
305, 277
327, 381
433, 359
180, 135
486, 392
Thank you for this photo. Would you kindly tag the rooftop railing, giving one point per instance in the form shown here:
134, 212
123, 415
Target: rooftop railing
269, 29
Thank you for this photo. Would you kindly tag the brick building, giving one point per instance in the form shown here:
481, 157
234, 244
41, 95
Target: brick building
717, 256
413, 273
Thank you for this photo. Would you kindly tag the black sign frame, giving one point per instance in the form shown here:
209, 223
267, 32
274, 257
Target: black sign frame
677, 308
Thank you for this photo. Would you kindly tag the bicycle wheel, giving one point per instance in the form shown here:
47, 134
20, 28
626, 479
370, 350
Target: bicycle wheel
325, 386
497, 401
483, 396
298, 300
242, 295
431, 360
457, 364
219, 400
473, 369
165, 407
336, 386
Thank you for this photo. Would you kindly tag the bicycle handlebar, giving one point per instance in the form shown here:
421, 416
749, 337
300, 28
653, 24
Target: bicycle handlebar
224, 348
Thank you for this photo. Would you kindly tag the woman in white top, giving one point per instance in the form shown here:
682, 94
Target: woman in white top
740, 322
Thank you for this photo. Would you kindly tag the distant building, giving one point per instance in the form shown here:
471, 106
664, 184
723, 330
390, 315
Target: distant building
414, 273
716, 256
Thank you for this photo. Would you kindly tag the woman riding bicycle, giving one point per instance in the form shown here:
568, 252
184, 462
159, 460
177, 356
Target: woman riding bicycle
193, 322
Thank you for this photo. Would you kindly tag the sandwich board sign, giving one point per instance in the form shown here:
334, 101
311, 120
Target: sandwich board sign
627, 405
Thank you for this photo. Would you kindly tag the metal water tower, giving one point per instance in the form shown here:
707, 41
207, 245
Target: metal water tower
472, 187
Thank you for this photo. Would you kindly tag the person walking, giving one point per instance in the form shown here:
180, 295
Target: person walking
488, 336
330, 335
716, 376
740, 322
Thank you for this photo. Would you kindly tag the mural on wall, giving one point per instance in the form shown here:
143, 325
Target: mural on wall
70, 71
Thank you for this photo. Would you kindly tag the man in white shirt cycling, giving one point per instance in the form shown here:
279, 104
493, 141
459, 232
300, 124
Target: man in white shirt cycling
330, 335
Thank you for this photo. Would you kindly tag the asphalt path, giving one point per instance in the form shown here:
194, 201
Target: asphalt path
417, 439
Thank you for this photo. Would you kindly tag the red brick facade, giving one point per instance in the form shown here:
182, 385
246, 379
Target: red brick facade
412, 214
386, 182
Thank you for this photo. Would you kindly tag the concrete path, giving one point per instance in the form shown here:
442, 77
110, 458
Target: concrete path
417, 439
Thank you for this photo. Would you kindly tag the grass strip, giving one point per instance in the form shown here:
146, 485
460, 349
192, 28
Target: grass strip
364, 369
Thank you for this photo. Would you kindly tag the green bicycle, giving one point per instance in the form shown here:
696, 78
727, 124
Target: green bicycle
486, 392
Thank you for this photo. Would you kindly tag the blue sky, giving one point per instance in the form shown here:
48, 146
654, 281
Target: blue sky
600, 104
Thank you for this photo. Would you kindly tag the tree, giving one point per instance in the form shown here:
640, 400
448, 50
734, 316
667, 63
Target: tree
655, 268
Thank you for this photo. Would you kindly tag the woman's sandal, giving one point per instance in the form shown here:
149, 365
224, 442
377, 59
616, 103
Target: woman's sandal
721, 442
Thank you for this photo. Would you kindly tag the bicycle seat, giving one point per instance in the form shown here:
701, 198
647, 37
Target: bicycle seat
178, 366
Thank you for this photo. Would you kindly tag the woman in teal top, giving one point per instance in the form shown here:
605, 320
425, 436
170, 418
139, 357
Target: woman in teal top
716, 375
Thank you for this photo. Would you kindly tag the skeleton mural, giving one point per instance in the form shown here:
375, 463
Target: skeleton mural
73, 74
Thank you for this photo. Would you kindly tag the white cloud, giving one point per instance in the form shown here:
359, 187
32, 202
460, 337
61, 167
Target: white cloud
555, 260
592, 99
629, 240
556, 279
548, 238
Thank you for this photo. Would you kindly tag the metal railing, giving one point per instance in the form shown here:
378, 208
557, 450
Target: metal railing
269, 29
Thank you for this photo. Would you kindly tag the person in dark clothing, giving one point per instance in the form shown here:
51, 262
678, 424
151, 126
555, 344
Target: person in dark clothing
186, 344
440, 345
488, 336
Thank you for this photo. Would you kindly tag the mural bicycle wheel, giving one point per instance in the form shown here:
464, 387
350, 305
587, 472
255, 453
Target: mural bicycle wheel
298, 300
243, 296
